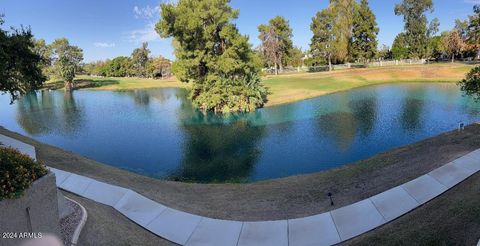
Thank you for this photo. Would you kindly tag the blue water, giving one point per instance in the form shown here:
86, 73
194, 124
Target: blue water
158, 133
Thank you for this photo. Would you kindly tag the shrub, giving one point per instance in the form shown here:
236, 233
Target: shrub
17, 173
471, 84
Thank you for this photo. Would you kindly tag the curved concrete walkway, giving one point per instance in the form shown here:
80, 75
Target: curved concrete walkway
322, 229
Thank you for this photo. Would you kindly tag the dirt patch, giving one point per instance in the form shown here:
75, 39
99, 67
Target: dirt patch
291, 197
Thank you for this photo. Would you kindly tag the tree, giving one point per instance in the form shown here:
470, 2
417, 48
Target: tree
434, 42
400, 47
343, 12
121, 66
471, 84
66, 61
433, 28
384, 52
295, 57
276, 40
159, 67
213, 55
323, 41
270, 48
140, 59
435, 47
20, 66
45, 52
413, 12
462, 28
453, 43
473, 30
365, 30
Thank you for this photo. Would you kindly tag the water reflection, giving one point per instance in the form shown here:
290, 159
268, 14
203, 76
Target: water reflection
45, 112
220, 153
357, 117
412, 109
365, 113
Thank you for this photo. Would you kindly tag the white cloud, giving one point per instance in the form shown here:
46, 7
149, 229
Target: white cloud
146, 12
473, 1
146, 34
104, 45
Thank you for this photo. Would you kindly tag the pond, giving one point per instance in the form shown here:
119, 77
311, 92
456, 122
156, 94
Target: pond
158, 133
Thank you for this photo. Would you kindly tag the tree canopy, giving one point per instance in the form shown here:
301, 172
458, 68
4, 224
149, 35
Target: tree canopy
20, 66
66, 61
416, 22
400, 47
277, 42
365, 30
140, 59
471, 84
322, 46
343, 12
453, 43
213, 55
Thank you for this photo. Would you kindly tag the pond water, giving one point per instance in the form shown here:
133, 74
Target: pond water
157, 133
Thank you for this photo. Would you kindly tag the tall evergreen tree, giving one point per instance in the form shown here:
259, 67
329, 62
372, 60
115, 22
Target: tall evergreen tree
276, 40
322, 46
416, 22
365, 30
213, 55
400, 47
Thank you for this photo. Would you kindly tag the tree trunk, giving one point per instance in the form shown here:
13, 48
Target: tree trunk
281, 67
69, 86
330, 68
453, 58
276, 69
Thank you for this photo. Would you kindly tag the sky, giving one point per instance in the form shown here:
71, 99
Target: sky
109, 28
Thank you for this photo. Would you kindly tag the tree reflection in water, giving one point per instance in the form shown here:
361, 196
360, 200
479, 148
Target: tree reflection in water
355, 117
412, 109
220, 153
45, 112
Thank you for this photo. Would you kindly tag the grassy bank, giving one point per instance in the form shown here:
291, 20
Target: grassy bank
294, 87
450, 219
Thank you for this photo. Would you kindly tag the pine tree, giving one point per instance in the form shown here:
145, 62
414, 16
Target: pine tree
322, 46
213, 55
365, 30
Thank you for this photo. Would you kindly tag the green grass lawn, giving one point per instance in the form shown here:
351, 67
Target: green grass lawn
294, 87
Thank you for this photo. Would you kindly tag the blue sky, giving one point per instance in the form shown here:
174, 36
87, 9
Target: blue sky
110, 28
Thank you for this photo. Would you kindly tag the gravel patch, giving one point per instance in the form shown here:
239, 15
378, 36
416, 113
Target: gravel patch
70, 223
